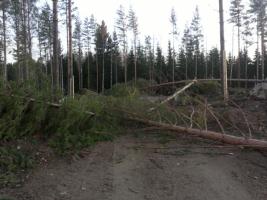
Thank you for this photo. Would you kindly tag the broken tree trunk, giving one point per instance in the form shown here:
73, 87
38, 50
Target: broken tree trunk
175, 94
211, 135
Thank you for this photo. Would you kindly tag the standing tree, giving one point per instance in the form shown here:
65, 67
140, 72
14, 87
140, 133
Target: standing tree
121, 25
133, 25
77, 45
55, 47
87, 33
104, 37
258, 8
174, 33
197, 37
247, 33
44, 32
236, 18
187, 42
70, 59
115, 53
223, 55
3, 8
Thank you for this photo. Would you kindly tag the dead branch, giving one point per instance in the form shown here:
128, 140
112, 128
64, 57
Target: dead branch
244, 116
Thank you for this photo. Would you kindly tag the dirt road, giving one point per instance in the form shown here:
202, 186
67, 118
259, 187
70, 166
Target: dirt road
143, 168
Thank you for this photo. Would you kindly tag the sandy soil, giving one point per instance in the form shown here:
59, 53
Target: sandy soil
143, 168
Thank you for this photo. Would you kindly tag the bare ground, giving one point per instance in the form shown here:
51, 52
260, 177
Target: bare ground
143, 168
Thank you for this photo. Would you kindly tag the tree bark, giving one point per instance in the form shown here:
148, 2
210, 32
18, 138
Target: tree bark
4, 45
223, 56
55, 72
70, 58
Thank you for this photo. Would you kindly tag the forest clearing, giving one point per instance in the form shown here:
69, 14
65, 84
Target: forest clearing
90, 114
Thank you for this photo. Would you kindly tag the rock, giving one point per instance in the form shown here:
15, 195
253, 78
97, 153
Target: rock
259, 91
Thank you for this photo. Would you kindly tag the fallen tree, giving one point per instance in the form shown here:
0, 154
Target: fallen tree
211, 135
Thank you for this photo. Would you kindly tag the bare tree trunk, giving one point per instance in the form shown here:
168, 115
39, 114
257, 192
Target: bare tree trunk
196, 56
239, 55
211, 135
116, 69
70, 58
223, 56
135, 61
55, 47
186, 67
24, 30
4, 45
97, 73
88, 71
262, 45
29, 29
111, 69
246, 68
103, 72
257, 51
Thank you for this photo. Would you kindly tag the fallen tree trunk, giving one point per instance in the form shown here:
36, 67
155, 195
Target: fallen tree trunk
211, 135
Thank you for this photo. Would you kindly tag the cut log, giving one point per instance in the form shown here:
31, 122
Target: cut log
211, 135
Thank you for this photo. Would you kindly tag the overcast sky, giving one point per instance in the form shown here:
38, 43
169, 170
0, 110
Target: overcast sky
153, 17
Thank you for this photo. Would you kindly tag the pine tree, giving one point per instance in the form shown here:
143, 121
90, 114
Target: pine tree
236, 18
55, 74
77, 46
3, 8
121, 25
258, 8
44, 32
116, 53
133, 25
174, 33
87, 34
197, 37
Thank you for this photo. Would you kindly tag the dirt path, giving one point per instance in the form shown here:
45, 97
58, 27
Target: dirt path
134, 168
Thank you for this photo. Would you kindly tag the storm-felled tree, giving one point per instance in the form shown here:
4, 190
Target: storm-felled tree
77, 47
236, 14
197, 38
121, 25
133, 26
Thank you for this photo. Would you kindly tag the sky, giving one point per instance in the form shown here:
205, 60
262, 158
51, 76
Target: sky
154, 17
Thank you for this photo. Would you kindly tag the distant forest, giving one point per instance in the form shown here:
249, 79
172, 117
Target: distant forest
96, 58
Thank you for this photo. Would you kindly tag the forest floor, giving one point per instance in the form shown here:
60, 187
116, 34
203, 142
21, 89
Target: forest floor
148, 166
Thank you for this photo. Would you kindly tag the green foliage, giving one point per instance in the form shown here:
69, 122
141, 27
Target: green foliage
122, 90
12, 161
210, 88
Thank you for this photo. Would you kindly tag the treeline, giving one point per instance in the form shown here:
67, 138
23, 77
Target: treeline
97, 58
